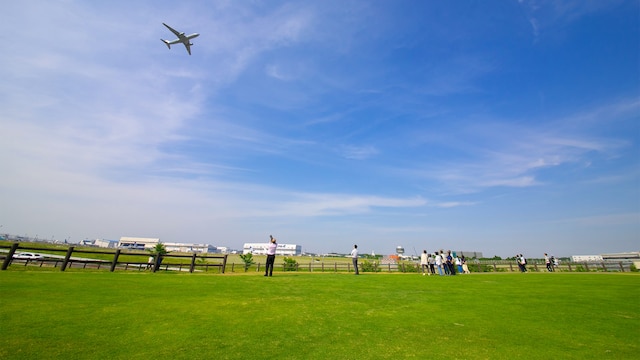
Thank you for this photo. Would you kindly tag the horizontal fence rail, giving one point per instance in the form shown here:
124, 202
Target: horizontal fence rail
409, 267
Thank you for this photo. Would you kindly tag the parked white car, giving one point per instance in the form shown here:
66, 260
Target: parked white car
28, 256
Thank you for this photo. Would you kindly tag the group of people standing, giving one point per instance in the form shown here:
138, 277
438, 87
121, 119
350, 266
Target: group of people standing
445, 263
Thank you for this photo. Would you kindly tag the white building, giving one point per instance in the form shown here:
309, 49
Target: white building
136, 243
586, 258
632, 256
282, 249
190, 248
104, 243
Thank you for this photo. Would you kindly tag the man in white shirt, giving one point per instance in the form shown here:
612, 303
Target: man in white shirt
271, 256
354, 258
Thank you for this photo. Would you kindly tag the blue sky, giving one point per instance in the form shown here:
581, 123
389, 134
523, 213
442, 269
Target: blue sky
496, 126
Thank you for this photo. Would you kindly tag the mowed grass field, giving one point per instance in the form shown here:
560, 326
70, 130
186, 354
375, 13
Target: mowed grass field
121, 315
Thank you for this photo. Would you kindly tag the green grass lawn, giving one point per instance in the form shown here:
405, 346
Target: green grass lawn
121, 315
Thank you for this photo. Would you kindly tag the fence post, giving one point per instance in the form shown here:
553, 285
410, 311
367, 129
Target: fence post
66, 258
511, 267
224, 263
193, 263
495, 268
569, 264
157, 262
115, 261
621, 267
586, 266
7, 260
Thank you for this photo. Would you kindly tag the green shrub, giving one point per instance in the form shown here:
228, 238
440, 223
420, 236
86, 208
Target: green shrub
247, 259
368, 266
290, 264
408, 267
483, 268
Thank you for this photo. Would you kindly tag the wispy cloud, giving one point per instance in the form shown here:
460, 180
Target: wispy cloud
543, 15
358, 152
500, 154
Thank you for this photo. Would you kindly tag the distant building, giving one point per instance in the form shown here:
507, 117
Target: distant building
136, 243
104, 243
190, 248
282, 249
632, 255
586, 258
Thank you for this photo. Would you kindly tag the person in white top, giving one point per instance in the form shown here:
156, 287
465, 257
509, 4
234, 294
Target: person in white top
424, 262
459, 265
271, 256
354, 258
439, 263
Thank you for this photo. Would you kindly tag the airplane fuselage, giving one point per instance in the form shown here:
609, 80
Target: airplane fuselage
184, 38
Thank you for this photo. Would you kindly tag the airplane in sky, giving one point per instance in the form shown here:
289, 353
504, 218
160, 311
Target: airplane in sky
182, 38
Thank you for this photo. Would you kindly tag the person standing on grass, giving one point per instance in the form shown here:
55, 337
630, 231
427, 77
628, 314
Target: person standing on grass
449, 263
354, 258
439, 263
517, 257
424, 262
465, 267
459, 265
523, 263
547, 261
271, 256
432, 267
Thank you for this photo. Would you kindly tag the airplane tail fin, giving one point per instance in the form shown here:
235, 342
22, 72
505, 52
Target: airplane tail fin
167, 42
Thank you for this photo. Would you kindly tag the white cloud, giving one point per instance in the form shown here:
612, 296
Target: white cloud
358, 152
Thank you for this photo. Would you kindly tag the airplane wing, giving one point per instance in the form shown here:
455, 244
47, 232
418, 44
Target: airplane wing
172, 30
188, 46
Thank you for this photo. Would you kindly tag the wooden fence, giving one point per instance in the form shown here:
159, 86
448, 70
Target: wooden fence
200, 262
71, 258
